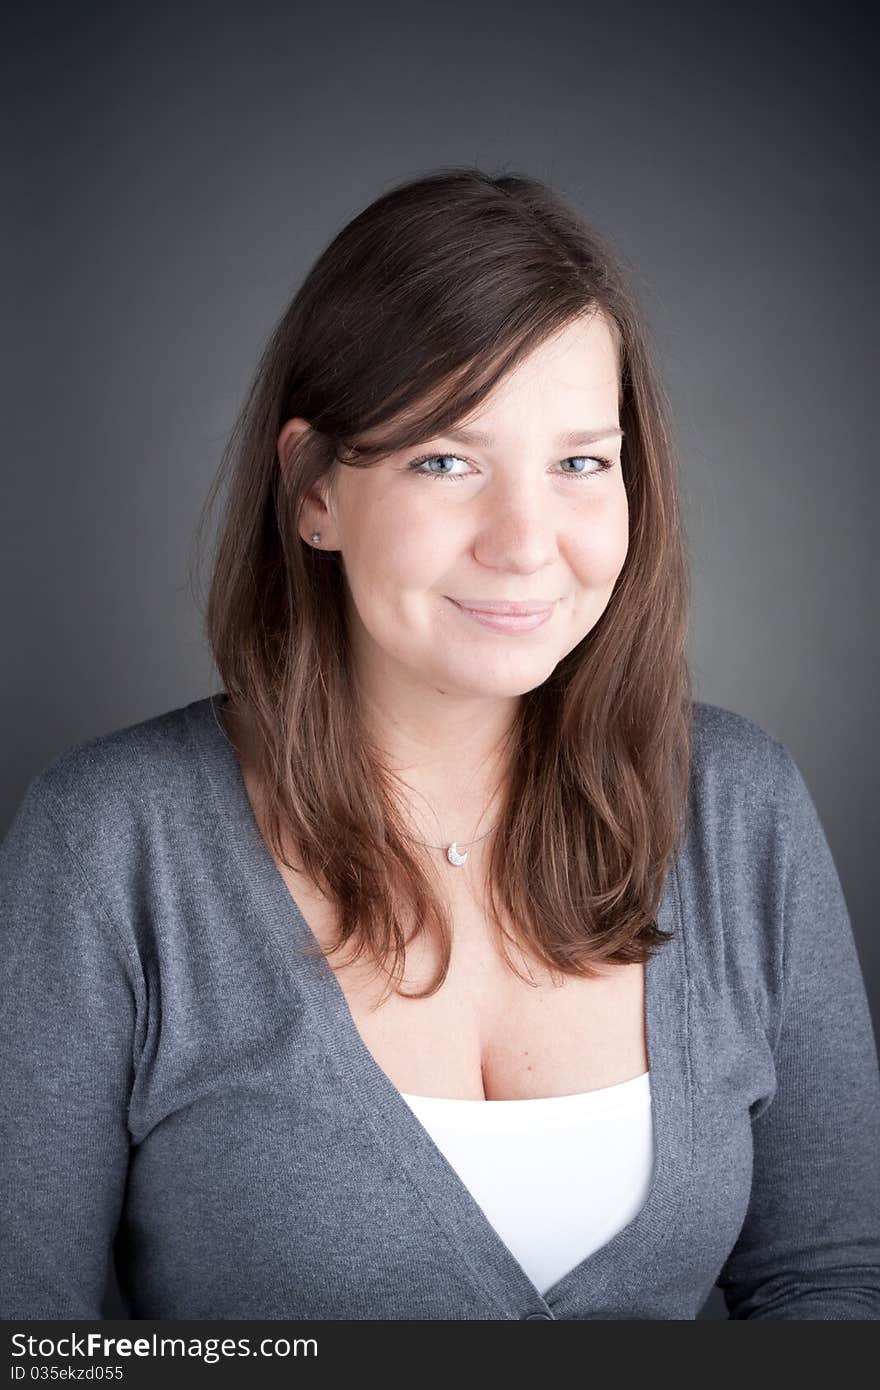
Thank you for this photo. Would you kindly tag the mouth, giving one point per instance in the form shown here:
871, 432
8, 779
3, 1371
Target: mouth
505, 608
506, 617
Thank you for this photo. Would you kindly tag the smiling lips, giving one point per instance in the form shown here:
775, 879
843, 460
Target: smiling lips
504, 607
506, 616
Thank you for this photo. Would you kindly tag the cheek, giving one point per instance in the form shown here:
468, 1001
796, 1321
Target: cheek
390, 561
602, 541
398, 547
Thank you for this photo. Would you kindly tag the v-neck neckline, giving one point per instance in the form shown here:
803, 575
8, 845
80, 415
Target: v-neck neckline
491, 1264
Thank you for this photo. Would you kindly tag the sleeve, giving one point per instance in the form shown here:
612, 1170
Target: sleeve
67, 1020
809, 1247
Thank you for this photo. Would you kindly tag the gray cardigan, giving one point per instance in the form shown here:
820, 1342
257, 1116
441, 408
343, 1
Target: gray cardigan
177, 1080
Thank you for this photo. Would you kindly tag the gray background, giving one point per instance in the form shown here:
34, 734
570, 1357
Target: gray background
175, 171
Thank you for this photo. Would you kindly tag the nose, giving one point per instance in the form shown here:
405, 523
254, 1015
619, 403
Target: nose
517, 529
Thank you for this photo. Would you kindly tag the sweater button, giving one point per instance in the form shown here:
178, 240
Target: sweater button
529, 1317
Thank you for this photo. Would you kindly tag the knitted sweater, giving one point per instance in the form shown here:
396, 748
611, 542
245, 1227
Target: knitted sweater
180, 1087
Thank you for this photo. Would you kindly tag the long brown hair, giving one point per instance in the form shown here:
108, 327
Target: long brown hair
404, 324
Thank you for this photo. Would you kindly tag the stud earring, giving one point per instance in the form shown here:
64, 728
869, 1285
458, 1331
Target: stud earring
316, 536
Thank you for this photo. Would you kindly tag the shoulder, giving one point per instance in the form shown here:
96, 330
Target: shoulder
740, 768
753, 799
99, 833
106, 797
751, 816
749, 801
132, 762
724, 738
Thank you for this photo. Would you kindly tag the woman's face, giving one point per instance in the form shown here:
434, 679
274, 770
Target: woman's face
523, 515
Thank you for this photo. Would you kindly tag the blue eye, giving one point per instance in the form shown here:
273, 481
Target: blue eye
417, 466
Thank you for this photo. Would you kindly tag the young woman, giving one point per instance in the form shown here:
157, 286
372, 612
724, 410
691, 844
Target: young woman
452, 961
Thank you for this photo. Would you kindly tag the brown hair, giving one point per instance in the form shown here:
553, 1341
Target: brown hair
403, 325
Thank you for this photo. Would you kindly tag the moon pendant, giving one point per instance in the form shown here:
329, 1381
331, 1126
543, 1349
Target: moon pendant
453, 855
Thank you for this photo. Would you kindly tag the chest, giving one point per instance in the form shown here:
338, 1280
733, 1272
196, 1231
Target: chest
487, 1033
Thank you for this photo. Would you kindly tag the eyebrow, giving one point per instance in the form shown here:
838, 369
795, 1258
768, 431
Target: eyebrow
571, 439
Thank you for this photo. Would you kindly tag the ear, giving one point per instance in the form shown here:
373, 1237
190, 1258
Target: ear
314, 514
292, 432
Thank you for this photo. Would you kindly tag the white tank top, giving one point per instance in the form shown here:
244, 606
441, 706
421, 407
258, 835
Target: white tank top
557, 1176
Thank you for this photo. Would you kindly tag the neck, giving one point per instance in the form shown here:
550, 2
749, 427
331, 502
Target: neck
448, 793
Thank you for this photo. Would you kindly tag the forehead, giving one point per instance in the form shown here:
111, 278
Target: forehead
577, 364
580, 359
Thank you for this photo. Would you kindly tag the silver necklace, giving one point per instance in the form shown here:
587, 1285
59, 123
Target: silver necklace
452, 851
